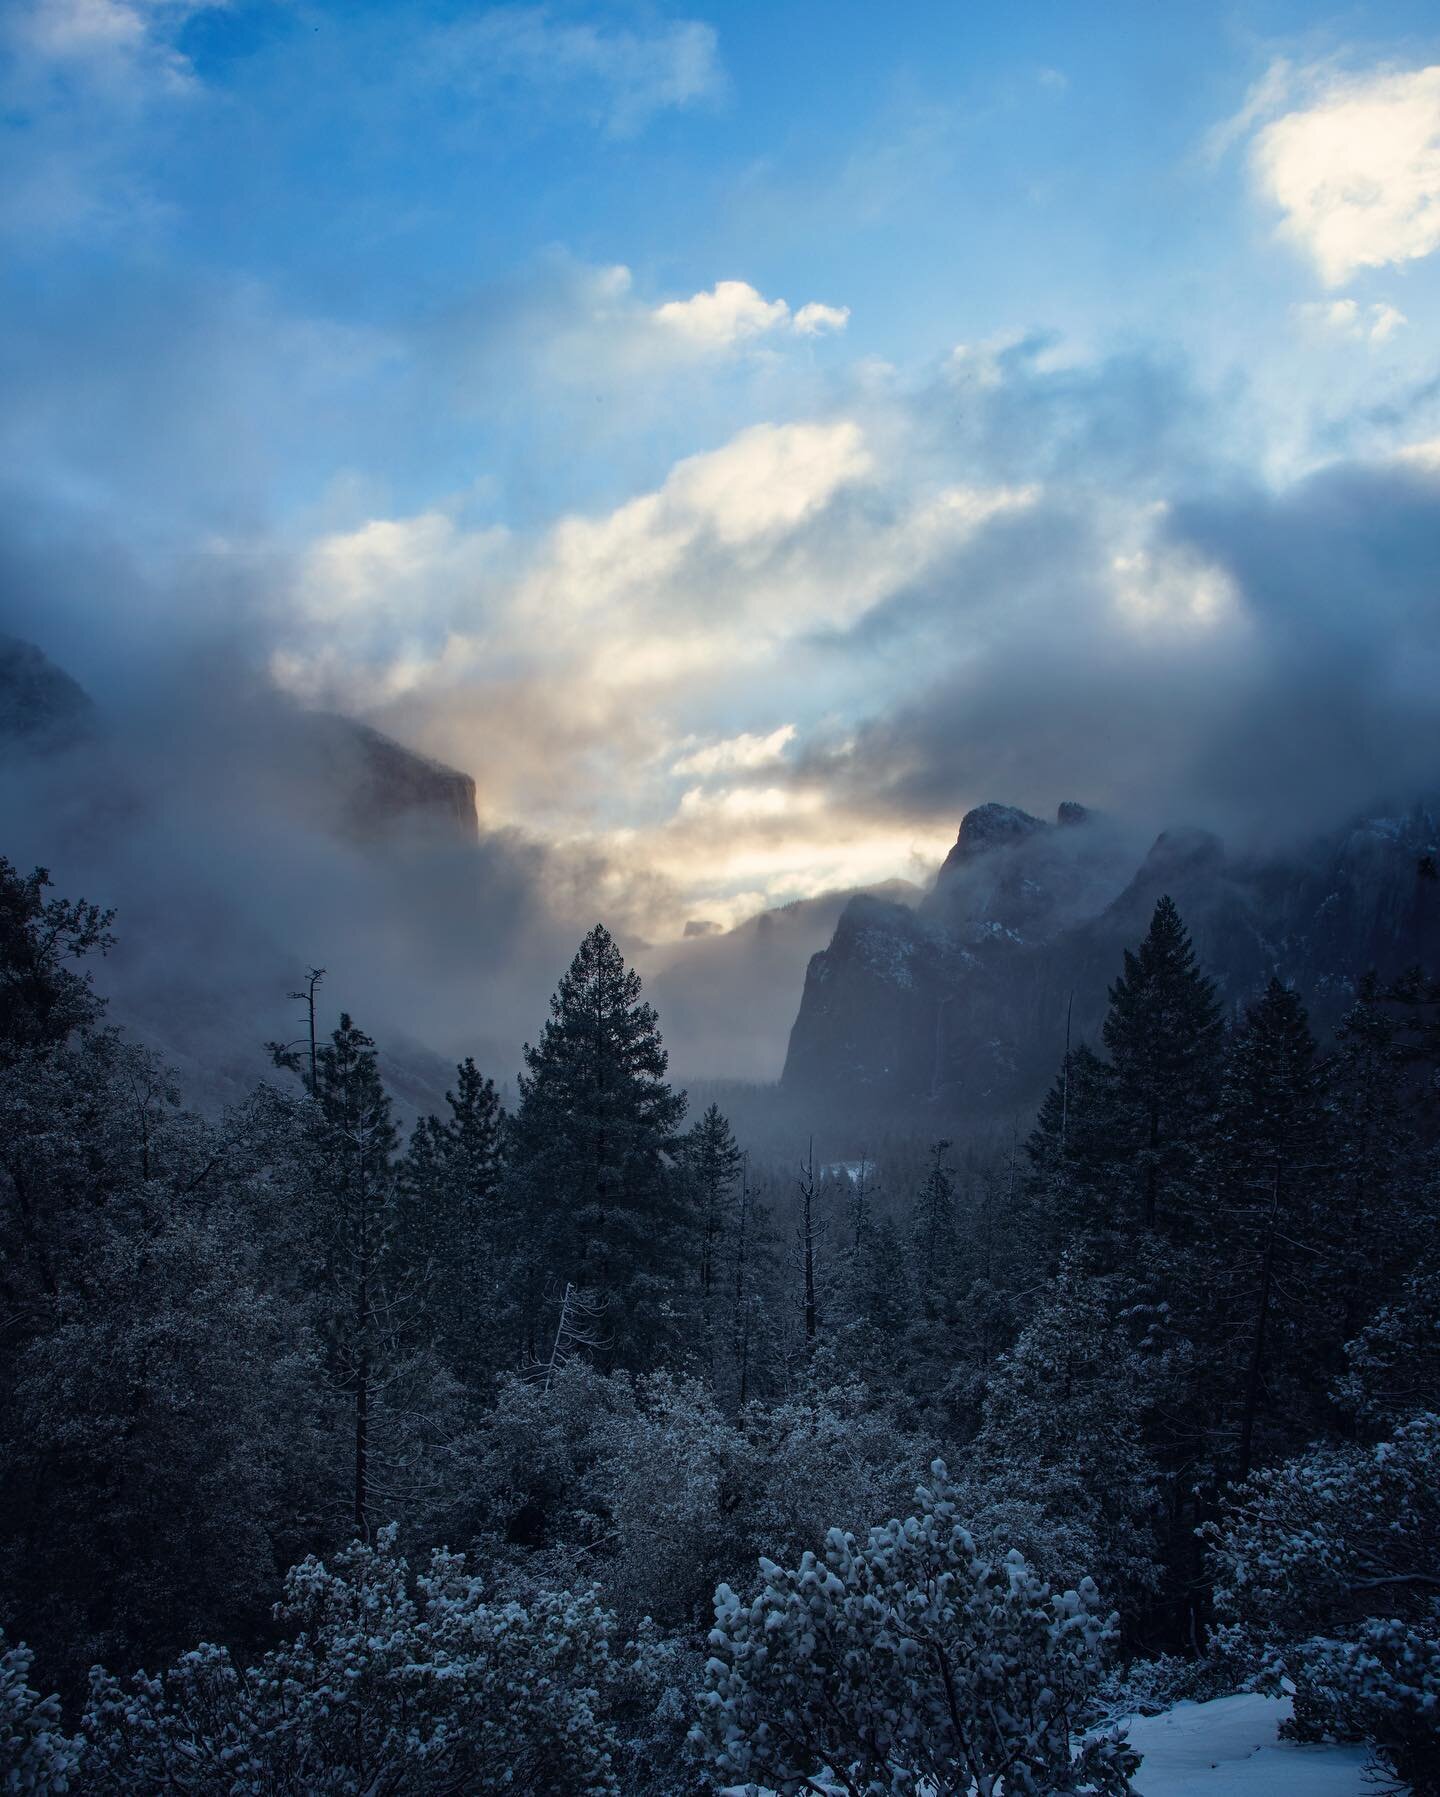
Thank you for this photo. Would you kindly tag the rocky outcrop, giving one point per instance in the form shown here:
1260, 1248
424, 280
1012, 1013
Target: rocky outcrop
369, 787
41, 707
961, 1004
330, 773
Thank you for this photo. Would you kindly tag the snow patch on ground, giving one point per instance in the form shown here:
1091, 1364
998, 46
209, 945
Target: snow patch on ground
1231, 1748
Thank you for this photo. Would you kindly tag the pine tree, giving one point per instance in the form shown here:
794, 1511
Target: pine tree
810, 1227
1272, 1178
354, 1145
1074, 1183
756, 1279
883, 1292
1062, 1428
934, 1221
1382, 1222
450, 1184
713, 1163
596, 1127
1163, 1036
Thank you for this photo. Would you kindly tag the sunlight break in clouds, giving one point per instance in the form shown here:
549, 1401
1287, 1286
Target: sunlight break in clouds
733, 312
1357, 172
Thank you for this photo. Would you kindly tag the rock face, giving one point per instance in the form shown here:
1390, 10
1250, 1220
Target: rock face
40, 705
328, 772
370, 787
960, 1004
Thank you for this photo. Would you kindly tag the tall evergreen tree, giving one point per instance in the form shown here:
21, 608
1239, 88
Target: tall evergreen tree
1061, 1428
1382, 1219
450, 1184
713, 1162
1070, 1187
595, 1129
354, 1145
933, 1221
1272, 1180
1163, 1035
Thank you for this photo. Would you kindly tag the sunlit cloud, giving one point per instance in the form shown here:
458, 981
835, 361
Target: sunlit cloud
1355, 169
735, 753
733, 312
815, 320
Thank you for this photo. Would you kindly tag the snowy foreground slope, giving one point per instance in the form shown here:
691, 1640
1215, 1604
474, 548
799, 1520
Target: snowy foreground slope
1231, 1748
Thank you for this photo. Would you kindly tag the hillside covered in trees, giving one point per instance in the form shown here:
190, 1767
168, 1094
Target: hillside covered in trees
556, 1451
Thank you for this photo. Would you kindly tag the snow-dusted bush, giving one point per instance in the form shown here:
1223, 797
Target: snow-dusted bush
1326, 1570
1335, 1535
1382, 1686
663, 1494
1393, 1365
1149, 1687
383, 1685
35, 1752
909, 1664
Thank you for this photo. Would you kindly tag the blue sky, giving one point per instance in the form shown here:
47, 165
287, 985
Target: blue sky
744, 437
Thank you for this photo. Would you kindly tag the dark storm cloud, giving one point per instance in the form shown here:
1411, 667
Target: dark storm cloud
1317, 696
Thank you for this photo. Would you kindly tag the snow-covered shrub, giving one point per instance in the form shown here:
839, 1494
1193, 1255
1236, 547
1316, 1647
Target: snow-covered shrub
909, 1664
382, 1685
1149, 1687
35, 1752
1393, 1365
663, 1494
1382, 1686
1324, 1540
1325, 1574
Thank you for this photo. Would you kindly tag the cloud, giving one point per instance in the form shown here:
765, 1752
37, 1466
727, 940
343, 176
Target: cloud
735, 752
813, 320
84, 84
115, 43
1264, 663
1025, 574
565, 668
371, 589
1355, 171
783, 532
618, 78
733, 312
1348, 318
728, 314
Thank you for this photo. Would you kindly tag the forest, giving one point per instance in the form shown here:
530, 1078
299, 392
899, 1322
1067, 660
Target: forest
582, 1446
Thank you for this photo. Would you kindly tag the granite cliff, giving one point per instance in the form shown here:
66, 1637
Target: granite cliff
961, 1003
325, 771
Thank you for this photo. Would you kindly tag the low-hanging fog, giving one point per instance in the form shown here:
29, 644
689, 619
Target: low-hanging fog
730, 603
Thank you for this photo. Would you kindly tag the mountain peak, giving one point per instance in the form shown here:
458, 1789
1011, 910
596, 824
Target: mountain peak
989, 825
